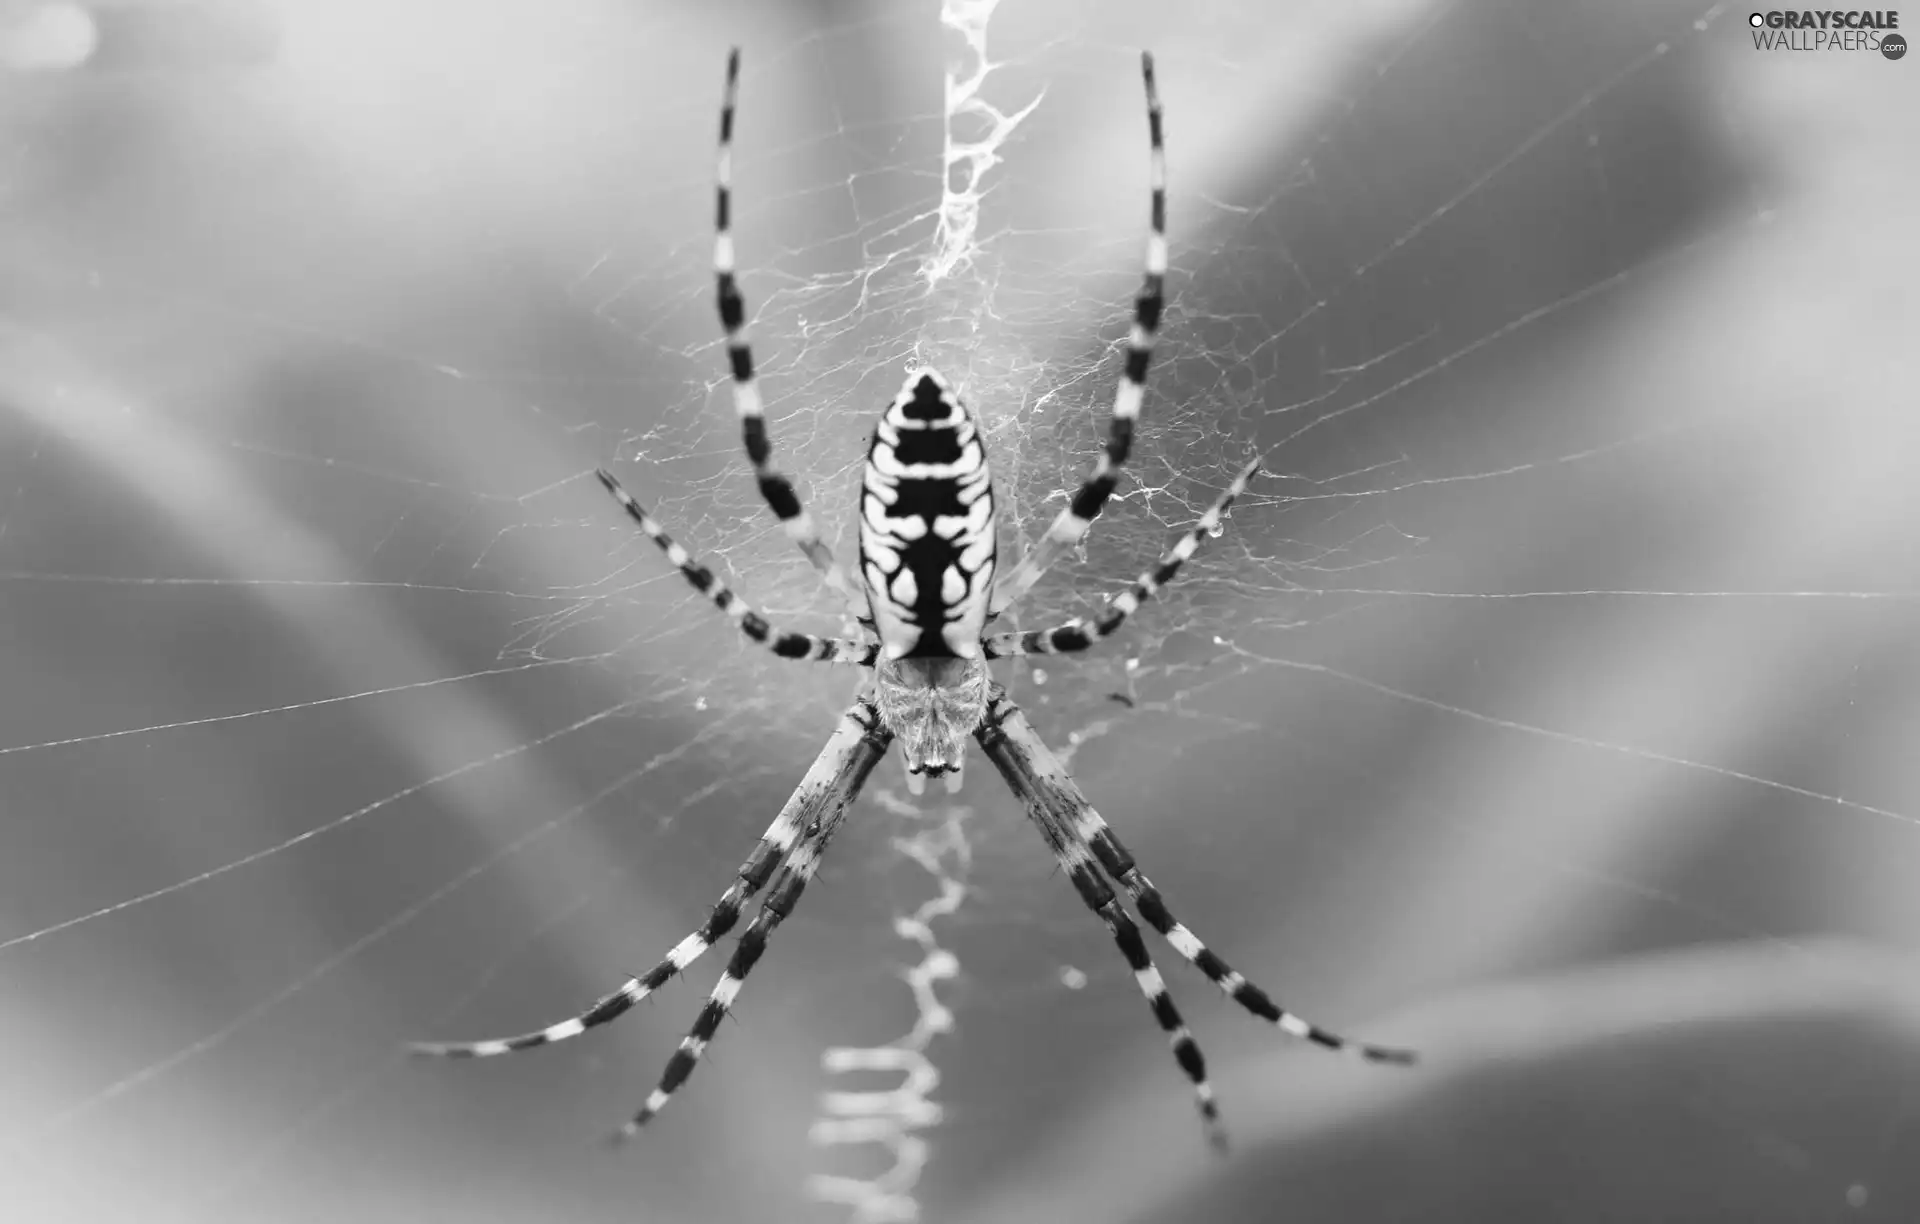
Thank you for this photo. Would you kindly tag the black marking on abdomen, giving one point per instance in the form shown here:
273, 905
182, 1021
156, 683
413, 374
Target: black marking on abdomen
929, 403
928, 559
926, 510
918, 446
928, 556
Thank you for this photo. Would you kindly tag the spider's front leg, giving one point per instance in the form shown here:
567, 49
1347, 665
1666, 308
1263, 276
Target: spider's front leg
871, 744
1081, 838
1075, 859
831, 782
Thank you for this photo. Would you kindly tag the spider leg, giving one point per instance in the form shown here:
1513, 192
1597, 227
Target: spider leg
775, 487
786, 644
1073, 522
1077, 634
1039, 777
837, 766
870, 744
1044, 808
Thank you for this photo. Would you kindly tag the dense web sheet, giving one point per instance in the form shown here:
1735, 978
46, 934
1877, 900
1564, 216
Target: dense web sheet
341, 706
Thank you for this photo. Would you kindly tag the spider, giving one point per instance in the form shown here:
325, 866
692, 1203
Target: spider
928, 588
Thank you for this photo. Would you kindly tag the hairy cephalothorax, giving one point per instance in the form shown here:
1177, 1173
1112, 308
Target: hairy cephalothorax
933, 705
927, 589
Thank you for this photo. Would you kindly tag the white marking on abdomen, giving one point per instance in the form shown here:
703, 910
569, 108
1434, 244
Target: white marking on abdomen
905, 589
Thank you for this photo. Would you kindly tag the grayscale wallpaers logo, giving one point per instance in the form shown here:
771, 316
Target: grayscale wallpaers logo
1828, 30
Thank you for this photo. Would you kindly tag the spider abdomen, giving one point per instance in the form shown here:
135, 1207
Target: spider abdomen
927, 524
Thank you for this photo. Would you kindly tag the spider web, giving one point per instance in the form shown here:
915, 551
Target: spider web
1573, 618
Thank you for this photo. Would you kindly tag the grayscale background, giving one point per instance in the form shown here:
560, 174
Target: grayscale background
1553, 707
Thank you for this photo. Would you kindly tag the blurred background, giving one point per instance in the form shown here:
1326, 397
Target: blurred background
1552, 706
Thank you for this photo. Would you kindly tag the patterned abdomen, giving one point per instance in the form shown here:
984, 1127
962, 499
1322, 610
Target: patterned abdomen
927, 524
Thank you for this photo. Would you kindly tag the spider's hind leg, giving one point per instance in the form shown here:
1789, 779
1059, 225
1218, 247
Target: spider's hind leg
1080, 634
1074, 521
775, 486
786, 644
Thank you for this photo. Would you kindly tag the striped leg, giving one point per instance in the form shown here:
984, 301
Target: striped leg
1078, 635
781, 642
1017, 766
1043, 773
774, 484
1072, 523
782, 896
826, 779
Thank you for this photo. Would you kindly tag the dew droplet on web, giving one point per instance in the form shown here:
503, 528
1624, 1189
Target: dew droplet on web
1217, 530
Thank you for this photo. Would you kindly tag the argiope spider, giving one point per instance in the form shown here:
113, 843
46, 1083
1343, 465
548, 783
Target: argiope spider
926, 594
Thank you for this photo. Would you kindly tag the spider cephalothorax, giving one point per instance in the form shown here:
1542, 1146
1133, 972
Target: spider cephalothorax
933, 705
928, 588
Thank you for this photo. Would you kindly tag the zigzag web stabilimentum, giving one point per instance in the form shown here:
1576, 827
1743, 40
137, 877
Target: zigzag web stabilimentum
1568, 621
